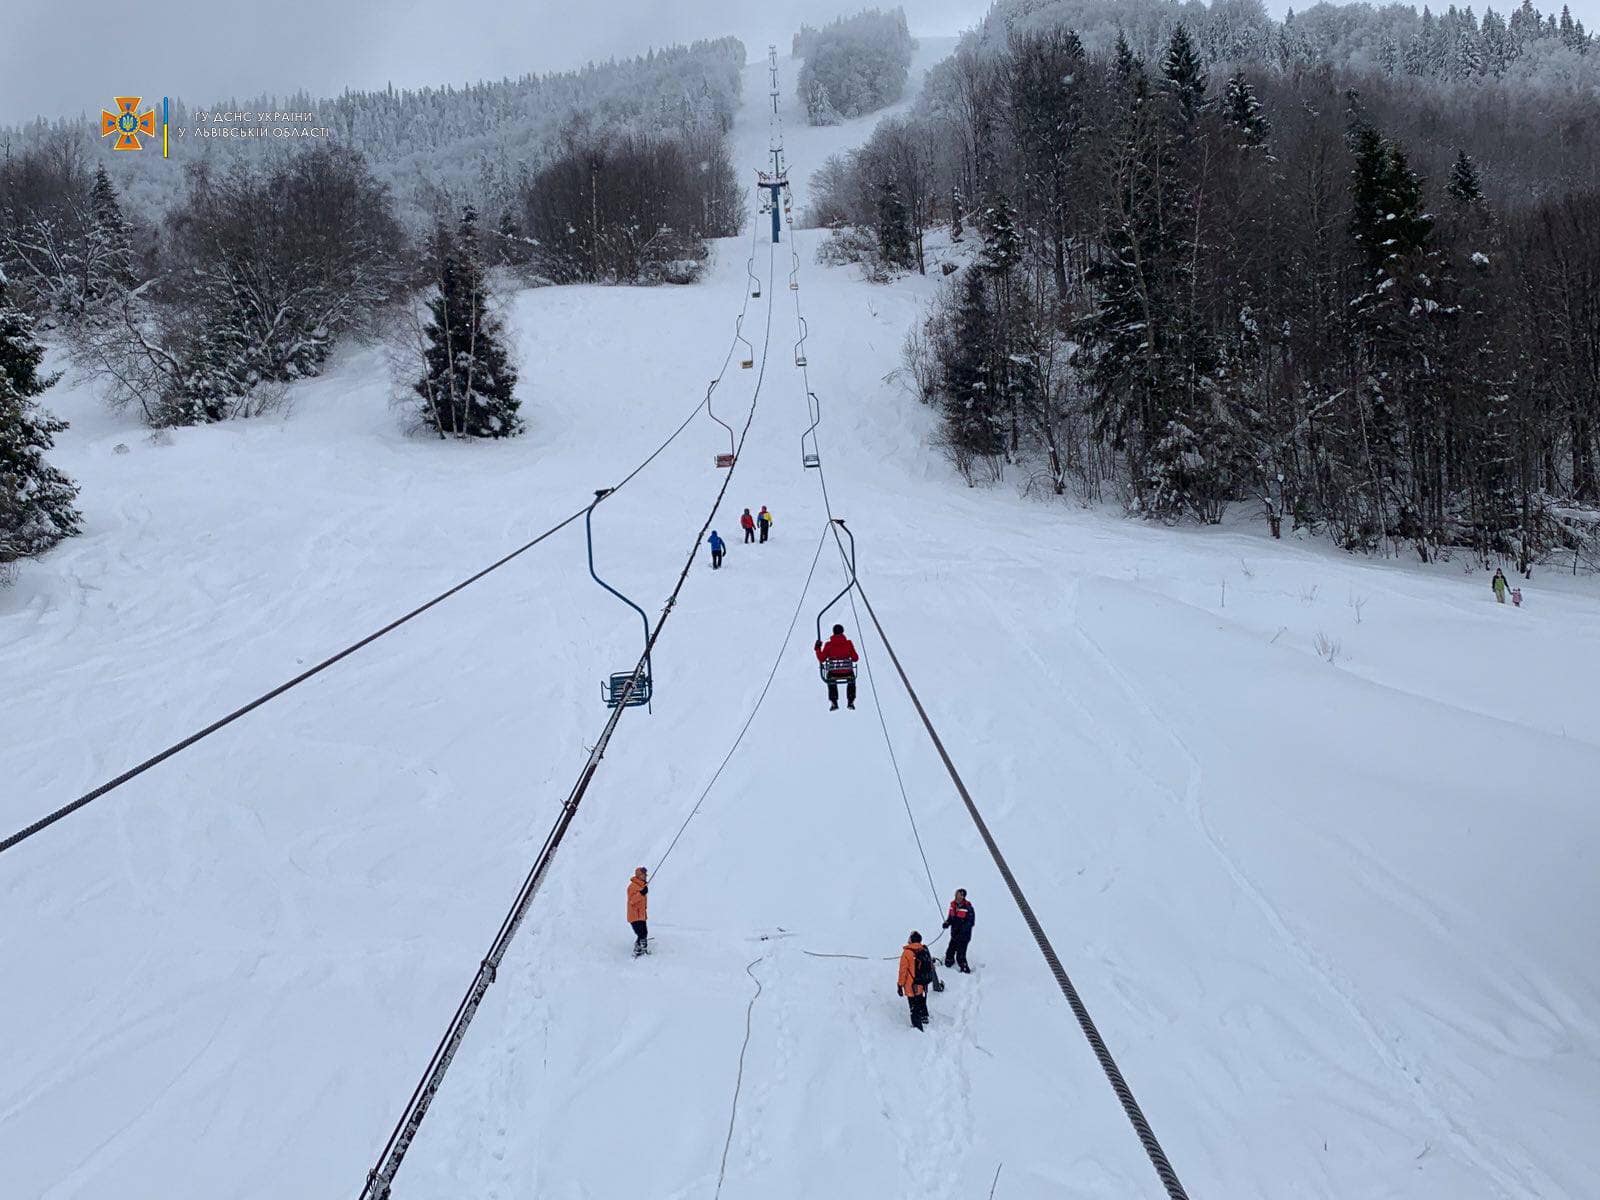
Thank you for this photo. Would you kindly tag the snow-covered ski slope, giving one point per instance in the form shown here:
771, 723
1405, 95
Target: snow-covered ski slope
1336, 920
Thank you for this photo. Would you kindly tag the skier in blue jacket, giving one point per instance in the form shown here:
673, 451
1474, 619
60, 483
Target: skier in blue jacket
718, 549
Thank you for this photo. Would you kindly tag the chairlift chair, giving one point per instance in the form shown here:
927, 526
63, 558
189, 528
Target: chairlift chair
726, 460
839, 670
810, 458
614, 691
624, 689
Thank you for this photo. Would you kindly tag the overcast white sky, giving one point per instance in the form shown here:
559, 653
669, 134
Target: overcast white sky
67, 56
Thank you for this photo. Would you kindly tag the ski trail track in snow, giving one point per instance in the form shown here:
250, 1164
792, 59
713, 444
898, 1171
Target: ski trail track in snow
1192, 798
291, 914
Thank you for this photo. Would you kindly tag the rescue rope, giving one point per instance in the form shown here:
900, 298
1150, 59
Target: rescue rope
380, 1179
749, 720
1119, 1085
244, 710
738, 1083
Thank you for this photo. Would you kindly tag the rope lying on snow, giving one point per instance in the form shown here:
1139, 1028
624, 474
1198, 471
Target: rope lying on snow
766, 687
738, 1083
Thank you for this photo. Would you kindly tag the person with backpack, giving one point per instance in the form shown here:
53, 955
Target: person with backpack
764, 519
838, 659
639, 911
916, 973
1499, 583
960, 922
748, 524
718, 549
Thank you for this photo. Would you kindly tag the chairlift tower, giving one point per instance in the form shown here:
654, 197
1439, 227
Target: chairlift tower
775, 183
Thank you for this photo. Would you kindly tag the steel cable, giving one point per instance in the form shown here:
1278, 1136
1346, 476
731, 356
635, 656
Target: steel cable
1119, 1085
243, 710
381, 1178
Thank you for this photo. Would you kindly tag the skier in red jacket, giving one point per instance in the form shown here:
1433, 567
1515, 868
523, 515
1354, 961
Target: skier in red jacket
838, 659
748, 524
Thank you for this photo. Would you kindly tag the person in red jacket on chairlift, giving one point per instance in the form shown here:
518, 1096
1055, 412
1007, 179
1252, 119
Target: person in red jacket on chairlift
838, 658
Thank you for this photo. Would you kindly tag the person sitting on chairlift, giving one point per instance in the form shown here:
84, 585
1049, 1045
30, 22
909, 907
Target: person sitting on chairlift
838, 659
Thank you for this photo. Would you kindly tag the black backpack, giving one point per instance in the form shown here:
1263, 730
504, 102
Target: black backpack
925, 973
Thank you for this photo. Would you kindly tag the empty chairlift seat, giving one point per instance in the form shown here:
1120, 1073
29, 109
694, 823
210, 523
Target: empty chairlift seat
614, 689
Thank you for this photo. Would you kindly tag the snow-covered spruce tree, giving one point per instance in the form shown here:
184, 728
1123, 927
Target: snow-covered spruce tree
819, 107
108, 250
468, 387
1184, 78
970, 394
1463, 186
1000, 259
894, 227
1045, 85
1399, 326
1244, 112
36, 500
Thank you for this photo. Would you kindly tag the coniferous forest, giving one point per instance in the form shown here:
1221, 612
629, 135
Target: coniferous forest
617, 174
1360, 301
854, 66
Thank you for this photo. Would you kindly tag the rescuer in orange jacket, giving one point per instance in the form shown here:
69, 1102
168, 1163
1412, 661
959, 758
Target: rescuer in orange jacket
840, 652
916, 972
639, 910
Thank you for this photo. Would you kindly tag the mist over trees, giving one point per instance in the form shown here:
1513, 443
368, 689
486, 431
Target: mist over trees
266, 269
259, 259
439, 147
630, 209
854, 66
1362, 303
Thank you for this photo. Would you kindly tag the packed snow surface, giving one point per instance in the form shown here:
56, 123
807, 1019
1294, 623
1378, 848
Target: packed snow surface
1336, 918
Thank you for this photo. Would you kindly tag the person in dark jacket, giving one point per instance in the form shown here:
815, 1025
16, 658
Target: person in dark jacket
841, 653
960, 922
718, 549
1499, 583
916, 968
748, 524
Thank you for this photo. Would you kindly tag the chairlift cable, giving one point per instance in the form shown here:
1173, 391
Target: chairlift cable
380, 1179
1119, 1084
243, 710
